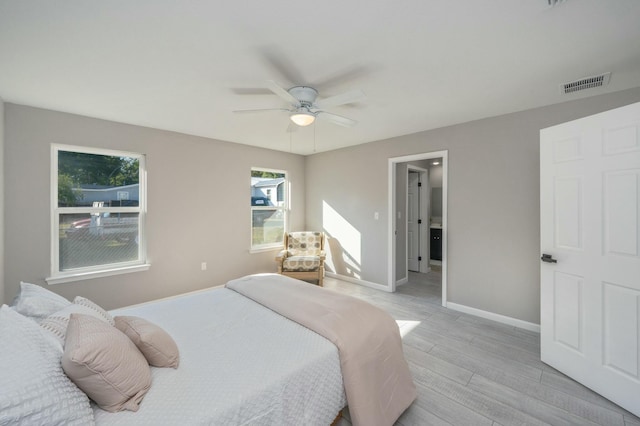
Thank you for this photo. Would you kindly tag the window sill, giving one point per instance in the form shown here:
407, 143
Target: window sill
67, 278
264, 249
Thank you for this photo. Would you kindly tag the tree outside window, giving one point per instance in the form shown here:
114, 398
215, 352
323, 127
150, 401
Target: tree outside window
98, 214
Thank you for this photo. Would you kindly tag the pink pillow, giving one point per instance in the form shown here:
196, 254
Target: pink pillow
156, 345
105, 364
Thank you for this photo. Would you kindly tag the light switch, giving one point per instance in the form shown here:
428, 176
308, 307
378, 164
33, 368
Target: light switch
376, 215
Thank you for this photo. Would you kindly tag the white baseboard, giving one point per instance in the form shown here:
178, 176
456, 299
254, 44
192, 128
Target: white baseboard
402, 281
494, 317
356, 281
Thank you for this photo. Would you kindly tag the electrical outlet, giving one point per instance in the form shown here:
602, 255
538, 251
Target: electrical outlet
203, 266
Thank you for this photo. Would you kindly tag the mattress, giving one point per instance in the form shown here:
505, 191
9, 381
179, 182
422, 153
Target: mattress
240, 364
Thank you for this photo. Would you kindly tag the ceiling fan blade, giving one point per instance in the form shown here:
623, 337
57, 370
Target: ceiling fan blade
251, 91
278, 90
241, 111
345, 76
336, 119
344, 98
279, 62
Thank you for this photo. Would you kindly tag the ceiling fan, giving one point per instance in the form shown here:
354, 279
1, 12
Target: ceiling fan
305, 106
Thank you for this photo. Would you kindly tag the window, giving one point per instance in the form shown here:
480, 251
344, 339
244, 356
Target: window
97, 209
268, 208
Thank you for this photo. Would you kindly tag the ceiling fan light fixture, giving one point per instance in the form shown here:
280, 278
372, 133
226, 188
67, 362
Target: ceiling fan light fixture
302, 118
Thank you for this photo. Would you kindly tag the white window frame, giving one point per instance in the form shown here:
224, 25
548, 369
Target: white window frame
285, 211
76, 274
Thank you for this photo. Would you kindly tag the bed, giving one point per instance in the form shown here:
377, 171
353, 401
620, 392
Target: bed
241, 363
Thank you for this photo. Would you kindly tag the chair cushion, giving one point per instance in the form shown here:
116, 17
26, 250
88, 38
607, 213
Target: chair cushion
301, 263
305, 243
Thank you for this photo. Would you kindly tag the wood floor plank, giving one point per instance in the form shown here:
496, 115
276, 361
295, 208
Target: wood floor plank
512, 352
416, 341
483, 349
478, 361
448, 409
473, 371
519, 333
476, 401
437, 335
482, 330
567, 385
631, 421
415, 415
468, 331
571, 404
437, 365
532, 406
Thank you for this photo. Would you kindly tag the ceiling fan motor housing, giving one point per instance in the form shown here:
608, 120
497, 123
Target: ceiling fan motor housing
304, 109
306, 95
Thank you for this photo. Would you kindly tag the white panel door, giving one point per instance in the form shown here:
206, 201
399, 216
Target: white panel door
590, 225
413, 217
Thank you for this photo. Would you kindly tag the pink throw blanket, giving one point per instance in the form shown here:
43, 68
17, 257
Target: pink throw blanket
376, 376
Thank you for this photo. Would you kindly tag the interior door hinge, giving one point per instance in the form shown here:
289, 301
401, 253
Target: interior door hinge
419, 258
419, 221
419, 183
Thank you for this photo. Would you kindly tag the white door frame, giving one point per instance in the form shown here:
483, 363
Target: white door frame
423, 209
391, 226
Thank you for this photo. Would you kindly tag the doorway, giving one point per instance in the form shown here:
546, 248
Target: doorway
397, 224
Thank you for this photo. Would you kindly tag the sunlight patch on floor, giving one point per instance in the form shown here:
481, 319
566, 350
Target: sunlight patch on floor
406, 326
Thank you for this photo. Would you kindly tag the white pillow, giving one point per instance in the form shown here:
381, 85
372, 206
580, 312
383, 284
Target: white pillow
106, 316
35, 390
57, 323
37, 302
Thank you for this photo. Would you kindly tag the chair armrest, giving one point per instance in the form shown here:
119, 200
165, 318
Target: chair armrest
282, 255
322, 255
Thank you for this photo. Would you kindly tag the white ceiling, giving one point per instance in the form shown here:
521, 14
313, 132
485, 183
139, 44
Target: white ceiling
186, 65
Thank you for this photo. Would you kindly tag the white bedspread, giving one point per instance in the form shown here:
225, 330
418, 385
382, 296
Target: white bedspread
240, 364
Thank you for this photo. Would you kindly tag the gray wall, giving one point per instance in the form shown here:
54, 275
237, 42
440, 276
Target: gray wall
207, 222
435, 188
494, 231
2, 300
435, 176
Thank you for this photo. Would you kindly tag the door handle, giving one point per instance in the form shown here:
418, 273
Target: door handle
548, 258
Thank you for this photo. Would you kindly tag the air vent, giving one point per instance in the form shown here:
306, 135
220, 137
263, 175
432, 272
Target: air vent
585, 83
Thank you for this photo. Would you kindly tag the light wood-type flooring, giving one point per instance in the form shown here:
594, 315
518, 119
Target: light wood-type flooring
472, 371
